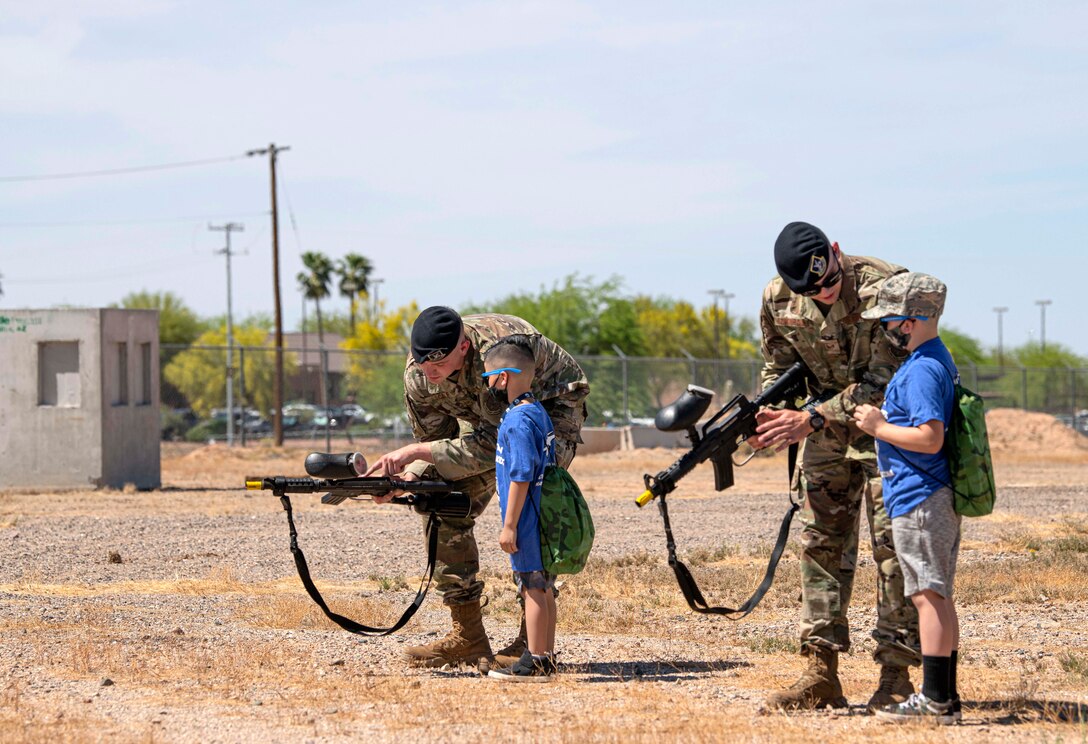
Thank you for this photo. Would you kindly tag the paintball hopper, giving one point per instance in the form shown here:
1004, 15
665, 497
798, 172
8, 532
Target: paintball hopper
327, 465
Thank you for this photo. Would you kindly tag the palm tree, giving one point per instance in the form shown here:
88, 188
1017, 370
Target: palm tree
354, 272
314, 284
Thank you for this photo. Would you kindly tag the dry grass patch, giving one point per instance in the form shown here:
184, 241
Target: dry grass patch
298, 611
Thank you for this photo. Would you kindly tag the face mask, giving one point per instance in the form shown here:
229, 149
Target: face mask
896, 336
497, 395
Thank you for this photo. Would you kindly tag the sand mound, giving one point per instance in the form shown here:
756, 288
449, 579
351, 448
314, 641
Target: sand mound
1013, 430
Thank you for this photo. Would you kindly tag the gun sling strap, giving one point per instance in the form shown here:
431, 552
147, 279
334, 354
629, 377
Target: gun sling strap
347, 623
690, 589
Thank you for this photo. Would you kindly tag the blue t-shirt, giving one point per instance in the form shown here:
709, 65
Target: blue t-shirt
525, 446
920, 391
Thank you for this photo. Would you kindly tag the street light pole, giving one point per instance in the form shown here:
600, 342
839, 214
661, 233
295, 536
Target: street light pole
717, 294
728, 320
1042, 321
375, 283
1000, 344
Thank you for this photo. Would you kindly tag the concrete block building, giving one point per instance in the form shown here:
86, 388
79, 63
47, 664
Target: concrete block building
79, 398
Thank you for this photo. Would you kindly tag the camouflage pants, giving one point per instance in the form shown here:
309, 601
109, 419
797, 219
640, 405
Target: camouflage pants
834, 489
458, 560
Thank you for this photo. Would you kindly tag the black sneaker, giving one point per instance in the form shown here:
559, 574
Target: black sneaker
957, 708
526, 669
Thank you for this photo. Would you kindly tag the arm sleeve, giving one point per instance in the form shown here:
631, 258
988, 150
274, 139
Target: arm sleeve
926, 392
522, 452
884, 361
457, 453
778, 354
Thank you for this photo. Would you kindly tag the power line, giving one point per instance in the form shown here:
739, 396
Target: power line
171, 265
120, 171
146, 221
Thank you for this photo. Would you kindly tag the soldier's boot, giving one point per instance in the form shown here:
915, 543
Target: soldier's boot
466, 643
818, 686
507, 656
895, 687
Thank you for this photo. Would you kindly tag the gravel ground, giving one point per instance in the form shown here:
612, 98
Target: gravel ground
101, 650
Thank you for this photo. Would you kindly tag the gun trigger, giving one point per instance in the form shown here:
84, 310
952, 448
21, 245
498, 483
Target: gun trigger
333, 498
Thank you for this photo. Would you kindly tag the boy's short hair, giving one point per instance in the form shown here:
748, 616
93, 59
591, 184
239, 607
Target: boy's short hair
512, 351
911, 294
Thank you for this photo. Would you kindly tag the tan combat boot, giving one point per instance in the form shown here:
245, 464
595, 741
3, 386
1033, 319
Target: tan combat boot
466, 643
894, 687
818, 686
513, 652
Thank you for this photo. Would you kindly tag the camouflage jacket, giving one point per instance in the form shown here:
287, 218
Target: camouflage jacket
457, 415
850, 360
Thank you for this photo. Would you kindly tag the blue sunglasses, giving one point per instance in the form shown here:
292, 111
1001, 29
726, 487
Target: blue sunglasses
494, 372
890, 318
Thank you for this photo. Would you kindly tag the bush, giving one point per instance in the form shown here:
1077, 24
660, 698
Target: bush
206, 430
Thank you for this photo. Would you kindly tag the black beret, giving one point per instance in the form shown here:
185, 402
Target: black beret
435, 333
801, 253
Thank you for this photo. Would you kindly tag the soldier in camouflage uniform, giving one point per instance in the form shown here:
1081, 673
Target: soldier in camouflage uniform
812, 313
455, 423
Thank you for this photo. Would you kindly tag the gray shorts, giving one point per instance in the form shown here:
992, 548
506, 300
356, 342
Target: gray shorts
534, 580
927, 541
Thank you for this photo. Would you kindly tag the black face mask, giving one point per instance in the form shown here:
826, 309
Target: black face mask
498, 395
898, 339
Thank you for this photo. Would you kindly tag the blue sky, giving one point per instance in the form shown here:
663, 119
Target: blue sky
475, 149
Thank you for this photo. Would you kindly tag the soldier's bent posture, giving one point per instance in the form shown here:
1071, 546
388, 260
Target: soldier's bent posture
455, 420
812, 313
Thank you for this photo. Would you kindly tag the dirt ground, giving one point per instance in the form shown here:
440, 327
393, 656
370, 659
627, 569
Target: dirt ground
176, 615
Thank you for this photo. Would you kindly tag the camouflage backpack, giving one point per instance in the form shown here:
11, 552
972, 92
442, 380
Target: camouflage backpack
566, 526
967, 447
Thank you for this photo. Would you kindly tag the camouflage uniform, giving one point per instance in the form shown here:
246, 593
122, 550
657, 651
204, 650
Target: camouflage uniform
851, 362
460, 420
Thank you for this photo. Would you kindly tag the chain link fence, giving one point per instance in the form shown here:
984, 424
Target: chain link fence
343, 395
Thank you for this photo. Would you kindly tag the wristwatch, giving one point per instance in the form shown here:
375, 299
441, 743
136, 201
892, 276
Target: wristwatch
815, 418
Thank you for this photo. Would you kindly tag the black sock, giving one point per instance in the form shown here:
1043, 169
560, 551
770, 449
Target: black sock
935, 677
953, 691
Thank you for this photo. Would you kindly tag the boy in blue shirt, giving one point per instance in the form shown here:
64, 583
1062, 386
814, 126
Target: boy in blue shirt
910, 431
524, 447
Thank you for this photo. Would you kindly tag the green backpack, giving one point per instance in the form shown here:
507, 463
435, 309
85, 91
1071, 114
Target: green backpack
566, 526
967, 447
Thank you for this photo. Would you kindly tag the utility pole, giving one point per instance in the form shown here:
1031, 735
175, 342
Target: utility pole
377, 308
1042, 321
277, 384
228, 228
1000, 342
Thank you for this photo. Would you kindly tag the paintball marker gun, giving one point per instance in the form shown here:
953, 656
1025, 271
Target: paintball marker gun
717, 441
340, 477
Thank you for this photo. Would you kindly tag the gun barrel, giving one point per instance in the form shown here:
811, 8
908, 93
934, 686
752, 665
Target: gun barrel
783, 387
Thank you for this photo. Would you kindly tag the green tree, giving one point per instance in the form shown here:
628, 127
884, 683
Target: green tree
354, 272
376, 372
579, 314
177, 323
314, 283
964, 348
589, 318
200, 374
